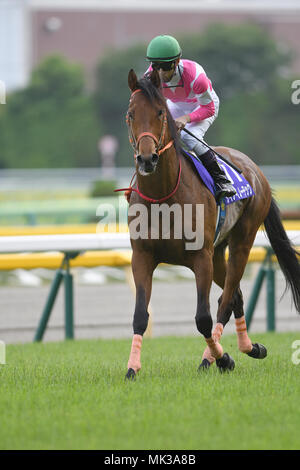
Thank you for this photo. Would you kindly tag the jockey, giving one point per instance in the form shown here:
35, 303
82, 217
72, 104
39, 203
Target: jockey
191, 100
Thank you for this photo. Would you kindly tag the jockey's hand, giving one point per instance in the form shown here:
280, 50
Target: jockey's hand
182, 121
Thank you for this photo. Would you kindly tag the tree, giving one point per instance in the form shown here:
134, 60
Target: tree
245, 65
239, 59
264, 125
51, 122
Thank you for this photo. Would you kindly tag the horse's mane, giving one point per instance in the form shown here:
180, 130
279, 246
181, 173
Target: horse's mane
153, 94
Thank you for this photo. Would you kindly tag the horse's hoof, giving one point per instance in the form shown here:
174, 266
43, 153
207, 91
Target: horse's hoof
205, 364
258, 351
225, 363
131, 375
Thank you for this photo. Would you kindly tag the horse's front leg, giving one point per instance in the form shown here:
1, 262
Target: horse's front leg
143, 266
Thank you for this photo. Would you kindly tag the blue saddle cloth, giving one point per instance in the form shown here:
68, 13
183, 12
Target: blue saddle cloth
241, 185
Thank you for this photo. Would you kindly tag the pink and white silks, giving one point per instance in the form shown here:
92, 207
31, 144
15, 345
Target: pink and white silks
190, 92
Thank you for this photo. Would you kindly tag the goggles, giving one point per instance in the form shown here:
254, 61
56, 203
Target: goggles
162, 65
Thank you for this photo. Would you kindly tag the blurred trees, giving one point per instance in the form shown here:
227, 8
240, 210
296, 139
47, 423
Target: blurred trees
238, 59
51, 123
246, 67
54, 122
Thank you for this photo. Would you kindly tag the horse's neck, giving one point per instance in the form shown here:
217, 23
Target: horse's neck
164, 179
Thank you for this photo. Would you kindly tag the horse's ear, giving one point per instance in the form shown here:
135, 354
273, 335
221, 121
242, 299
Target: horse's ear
155, 78
132, 80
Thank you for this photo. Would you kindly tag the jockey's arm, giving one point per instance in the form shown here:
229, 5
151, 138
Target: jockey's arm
204, 94
202, 91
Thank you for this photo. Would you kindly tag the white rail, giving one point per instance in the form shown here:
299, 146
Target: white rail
90, 242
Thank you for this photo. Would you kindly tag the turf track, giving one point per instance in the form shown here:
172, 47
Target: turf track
72, 395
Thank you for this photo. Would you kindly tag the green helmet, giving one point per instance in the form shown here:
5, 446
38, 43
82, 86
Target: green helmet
163, 49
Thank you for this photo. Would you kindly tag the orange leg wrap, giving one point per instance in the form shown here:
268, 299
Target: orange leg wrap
218, 331
216, 335
215, 349
135, 353
244, 341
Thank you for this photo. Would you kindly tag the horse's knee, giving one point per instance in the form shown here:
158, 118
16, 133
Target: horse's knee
204, 323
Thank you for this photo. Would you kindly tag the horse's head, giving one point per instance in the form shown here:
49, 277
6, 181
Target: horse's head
147, 118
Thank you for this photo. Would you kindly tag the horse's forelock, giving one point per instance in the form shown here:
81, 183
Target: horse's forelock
151, 91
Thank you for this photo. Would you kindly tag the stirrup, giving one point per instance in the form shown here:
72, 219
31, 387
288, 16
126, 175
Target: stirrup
223, 191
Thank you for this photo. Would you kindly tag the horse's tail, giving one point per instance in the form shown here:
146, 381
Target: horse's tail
286, 254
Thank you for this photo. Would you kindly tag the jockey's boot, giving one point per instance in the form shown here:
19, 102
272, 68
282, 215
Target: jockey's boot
223, 186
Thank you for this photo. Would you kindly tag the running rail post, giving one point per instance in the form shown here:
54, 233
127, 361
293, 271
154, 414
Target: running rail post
271, 323
61, 274
69, 317
256, 291
49, 305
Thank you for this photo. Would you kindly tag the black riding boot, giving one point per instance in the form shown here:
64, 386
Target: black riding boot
224, 187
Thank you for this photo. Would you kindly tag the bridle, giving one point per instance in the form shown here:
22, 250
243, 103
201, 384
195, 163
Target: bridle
159, 143
160, 148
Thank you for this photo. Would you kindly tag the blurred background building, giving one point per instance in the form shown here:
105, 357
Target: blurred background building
15, 43
83, 30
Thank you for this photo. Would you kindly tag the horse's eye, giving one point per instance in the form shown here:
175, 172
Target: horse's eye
130, 115
160, 112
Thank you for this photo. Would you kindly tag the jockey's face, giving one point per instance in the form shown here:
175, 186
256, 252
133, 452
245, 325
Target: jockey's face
166, 75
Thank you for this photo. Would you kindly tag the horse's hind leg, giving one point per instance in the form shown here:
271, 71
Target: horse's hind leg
203, 270
142, 268
240, 243
219, 278
257, 350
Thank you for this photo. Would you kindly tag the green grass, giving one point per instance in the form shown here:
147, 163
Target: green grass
72, 395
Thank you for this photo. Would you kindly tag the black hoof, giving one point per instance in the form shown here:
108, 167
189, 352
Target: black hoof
131, 375
225, 363
258, 351
205, 364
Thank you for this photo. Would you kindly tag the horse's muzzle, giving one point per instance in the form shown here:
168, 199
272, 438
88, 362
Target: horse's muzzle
147, 164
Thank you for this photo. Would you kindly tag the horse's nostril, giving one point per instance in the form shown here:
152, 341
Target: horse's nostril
139, 158
154, 158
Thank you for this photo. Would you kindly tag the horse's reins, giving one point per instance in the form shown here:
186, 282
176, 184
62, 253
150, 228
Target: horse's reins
159, 150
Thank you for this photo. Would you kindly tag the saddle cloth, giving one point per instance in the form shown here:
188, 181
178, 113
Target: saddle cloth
241, 185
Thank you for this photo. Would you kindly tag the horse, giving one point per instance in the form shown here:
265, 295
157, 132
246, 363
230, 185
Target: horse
164, 175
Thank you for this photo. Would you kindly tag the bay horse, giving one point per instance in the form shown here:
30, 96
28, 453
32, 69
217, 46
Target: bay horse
163, 174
